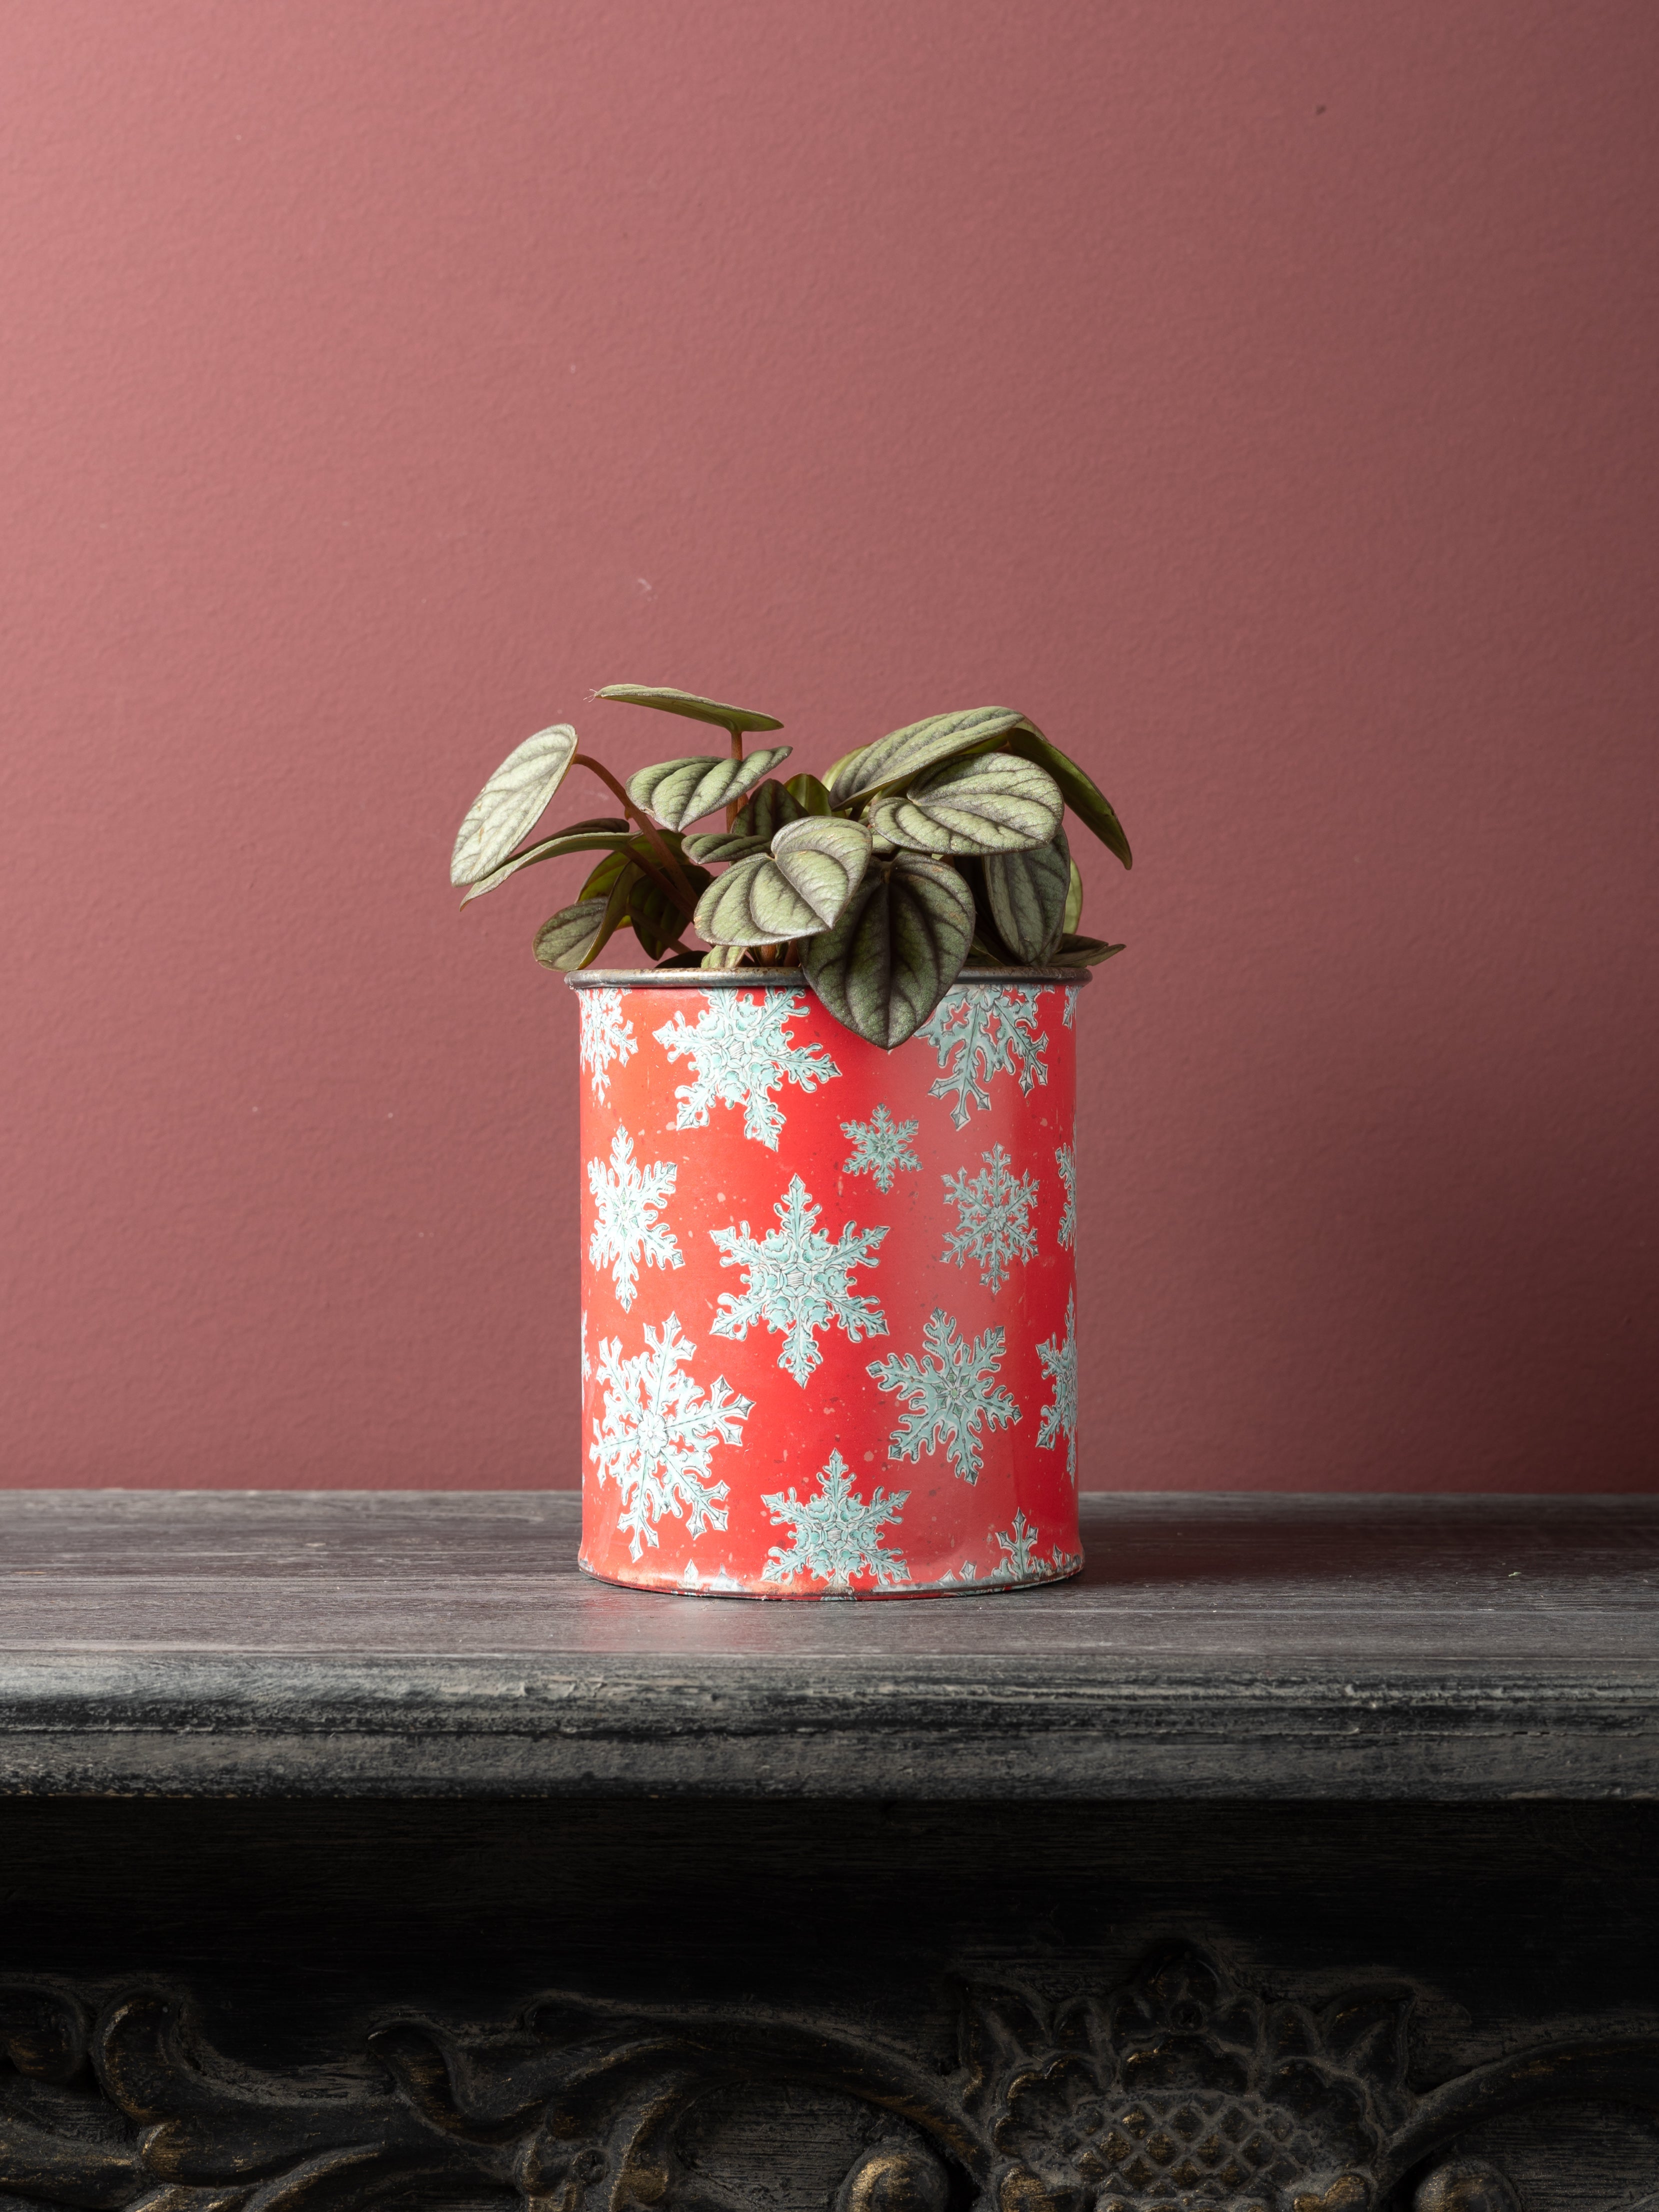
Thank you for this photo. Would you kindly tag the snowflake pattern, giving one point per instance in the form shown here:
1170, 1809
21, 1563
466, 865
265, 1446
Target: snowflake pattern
658, 1434
835, 1536
797, 1281
1059, 1364
606, 1034
881, 1147
692, 1579
588, 1365
1066, 1161
1069, 999
993, 1223
740, 1053
1019, 1548
627, 1201
949, 1391
979, 1031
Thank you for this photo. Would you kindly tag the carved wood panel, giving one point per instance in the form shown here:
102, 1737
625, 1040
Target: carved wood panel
1183, 2089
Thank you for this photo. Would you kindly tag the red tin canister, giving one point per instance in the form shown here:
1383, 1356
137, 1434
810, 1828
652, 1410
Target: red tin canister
828, 1342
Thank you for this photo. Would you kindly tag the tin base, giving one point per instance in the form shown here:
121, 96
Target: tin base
664, 1585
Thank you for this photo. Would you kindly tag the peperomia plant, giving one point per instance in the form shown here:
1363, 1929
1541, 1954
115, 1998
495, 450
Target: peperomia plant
938, 847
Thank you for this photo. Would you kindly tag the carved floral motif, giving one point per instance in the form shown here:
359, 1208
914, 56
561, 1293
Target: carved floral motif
1181, 2091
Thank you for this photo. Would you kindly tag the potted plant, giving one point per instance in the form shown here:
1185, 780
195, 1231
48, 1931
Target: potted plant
875, 1030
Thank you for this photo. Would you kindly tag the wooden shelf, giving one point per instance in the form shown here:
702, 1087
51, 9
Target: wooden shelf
285, 1643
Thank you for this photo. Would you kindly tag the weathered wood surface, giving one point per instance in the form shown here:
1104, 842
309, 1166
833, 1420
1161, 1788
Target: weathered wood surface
290, 1644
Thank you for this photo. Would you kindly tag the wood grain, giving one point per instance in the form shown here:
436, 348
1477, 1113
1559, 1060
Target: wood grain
419, 1644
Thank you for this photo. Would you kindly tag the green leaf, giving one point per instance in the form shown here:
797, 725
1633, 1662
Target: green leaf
796, 890
725, 956
1082, 794
896, 950
1026, 893
601, 883
1074, 901
677, 792
767, 808
617, 909
718, 845
903, 753
566, 939
808, 793
512, 802
990, 804
602, 836
987, 944
642, 850
1081, 952
838, 769
668, 700
656, 919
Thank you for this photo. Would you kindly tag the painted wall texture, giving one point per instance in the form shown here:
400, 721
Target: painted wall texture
1261, 396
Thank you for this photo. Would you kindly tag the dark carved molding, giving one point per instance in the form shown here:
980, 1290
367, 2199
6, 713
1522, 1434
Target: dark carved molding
1182, 2091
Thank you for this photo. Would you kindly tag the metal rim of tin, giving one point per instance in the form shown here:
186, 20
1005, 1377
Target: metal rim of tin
785, 978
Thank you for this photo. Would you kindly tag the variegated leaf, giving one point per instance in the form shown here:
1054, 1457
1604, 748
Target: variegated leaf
896, 950
512, 802
767, 809
796, 890
677, 792
1080, 792
905, 753
1027, 893
714, 847
602, 836
725, 956
990, 804
668, 700
565, 939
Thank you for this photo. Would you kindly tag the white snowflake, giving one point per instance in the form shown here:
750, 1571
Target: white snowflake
1069, 996
588, 1365
1018, 1546
835, 1536
740, 1053
1021, 1560
796, 1280
981, 1030
660, 1432
881, 1147
627, 1199
1066, 1161
993, 1223
949, 1398
606, 1034
1059, 1364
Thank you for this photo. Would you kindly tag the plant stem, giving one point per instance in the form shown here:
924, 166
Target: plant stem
681, 893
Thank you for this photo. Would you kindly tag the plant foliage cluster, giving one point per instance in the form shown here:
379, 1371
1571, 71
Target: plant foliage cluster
938, 847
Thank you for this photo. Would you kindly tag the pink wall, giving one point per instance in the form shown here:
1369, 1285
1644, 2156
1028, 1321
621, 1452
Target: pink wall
1262, 397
